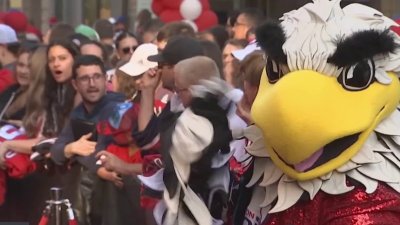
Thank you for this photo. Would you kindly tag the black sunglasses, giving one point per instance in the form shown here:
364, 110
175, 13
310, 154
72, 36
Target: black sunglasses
127, 50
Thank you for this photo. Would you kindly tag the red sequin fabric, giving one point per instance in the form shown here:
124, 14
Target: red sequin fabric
353, 208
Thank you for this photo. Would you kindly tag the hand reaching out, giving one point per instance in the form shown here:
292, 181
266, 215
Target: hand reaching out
111, 162
82, 147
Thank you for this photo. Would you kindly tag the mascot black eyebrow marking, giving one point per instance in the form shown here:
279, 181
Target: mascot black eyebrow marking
271, 37
362, 45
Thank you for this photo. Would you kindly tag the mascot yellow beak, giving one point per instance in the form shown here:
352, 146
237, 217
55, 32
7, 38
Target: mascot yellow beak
312, 125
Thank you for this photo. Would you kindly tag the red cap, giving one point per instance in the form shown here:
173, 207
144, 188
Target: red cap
33, 30
17, 20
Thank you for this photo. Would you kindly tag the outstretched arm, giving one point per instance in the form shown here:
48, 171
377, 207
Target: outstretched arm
113, 163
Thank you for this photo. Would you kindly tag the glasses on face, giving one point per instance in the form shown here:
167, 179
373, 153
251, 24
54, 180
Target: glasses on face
86, 78
128, 50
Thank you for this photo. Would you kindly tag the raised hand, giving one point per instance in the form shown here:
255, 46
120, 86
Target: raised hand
150, 80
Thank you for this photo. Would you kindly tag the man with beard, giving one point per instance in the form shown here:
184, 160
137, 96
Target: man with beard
77, 141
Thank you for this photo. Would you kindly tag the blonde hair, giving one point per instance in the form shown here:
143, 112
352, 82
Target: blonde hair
35, 106
126, 83
191, 71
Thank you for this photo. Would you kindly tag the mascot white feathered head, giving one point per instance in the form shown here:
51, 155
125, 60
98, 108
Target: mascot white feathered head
327, 102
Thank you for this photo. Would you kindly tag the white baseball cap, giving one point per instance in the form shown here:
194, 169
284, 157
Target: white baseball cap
7, 35
138, 63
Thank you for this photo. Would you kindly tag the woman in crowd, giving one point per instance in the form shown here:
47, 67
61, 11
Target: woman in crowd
52, 99
16, 206
60, 95
125, 45
13, 100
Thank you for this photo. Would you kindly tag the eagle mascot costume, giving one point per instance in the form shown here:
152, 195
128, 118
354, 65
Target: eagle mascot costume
326, 133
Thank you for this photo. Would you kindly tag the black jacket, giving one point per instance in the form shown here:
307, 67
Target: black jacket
6, 98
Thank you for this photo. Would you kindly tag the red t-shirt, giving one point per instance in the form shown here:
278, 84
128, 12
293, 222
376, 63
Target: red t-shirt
18, 164
123, 153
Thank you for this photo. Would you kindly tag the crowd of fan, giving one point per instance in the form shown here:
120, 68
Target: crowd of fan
96, 94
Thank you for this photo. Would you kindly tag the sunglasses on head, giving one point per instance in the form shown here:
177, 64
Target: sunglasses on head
127, 50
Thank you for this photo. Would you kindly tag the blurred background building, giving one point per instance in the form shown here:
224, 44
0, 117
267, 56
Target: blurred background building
75, 12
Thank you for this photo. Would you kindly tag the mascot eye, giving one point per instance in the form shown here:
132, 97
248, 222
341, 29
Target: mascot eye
359, 76
274, 71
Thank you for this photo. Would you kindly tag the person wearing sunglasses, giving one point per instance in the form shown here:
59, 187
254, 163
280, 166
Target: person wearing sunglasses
125, 44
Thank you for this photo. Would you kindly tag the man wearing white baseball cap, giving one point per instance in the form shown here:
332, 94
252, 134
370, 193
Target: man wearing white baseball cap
9, 47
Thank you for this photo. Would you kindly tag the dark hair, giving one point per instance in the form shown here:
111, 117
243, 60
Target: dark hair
61, 31
14, 48
143, 17
98, 44
220, 35
253, 15
87, 60
59, 97
104, 28
27, 47
122, 36
211, 50
78, 39
173, 29
153, 25
232, 18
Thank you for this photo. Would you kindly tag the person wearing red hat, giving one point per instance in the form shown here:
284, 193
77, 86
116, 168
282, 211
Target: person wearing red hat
16, 20
33, 33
